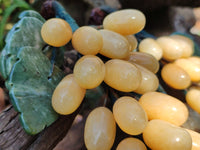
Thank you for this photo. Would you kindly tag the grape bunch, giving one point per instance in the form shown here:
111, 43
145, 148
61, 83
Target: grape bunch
130, 67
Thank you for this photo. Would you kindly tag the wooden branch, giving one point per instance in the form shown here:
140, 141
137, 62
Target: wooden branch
13, 136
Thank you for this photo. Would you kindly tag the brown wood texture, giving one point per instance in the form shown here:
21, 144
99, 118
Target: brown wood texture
13, 136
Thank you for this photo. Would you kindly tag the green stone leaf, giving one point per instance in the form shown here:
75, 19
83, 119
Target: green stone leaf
30, 89
24, 33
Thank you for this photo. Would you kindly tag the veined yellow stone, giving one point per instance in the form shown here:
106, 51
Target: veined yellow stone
165, 107
161, 135
67, 96
150, 46
87, 40
100, 129
175, 76
131, 144
122, 75
125, 22
129, 115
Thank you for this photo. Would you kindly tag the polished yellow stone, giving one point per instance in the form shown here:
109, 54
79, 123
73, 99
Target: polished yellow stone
131, 143
122, 75
150, 46
193, 99
89, 71
125, 22
129, 115
175, 76
149, 82
190, 67
56, 32
171, 48
67, 96
132, 42
161, 135
87, 40
144, 59
165, 107
100, 129
114, 45
195, 139
186, 44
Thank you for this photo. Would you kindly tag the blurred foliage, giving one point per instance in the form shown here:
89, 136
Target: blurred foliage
9, 10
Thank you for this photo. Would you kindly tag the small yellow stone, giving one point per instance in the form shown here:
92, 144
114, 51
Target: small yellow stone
129, 115
100, 129
165, 107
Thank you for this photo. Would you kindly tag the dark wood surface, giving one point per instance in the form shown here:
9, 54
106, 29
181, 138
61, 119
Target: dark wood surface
13, 136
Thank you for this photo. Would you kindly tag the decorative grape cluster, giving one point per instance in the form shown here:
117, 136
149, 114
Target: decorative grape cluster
131, 67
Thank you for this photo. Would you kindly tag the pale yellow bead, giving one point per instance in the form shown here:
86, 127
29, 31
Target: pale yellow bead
129, 115
125, 22
161, 135
149, 81
100, 129
56, 32
165, 107
122, 75
187, 45
150, 46
114, 45
132, 42
144, 59
171, 48
89, 71
67, 96
175, 76
131, 144
193, 99
195, 139
190, 67
87, 40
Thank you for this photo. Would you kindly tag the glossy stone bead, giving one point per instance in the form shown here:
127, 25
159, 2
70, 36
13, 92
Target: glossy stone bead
161, 135
129, 115
114, 45
67, 96
165, 107
125, 22
100, 129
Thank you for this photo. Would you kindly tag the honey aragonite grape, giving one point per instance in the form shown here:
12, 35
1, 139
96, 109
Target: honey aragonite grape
195, 139
165, 107
175, 76
190, 67
195, 60
67, 96
131, 143
56, 32
150, 46
186, 44
193, 99
87, 40
122, 75
162, 135
129, 115
89, 71
149, 81
132, 42
171, 48
114, 45
144, 59
125, 22
100, 129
